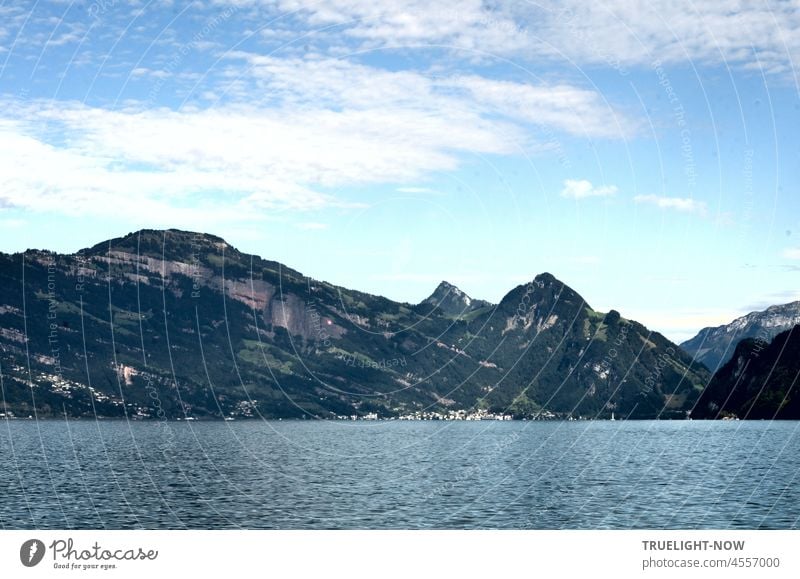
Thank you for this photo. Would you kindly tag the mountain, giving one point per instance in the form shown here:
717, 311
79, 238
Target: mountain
169, 324
715, 346
759, 381
453, 302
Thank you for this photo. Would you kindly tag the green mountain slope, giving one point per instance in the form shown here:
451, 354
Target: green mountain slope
180, 324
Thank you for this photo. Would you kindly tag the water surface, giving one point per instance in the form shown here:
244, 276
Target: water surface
407, 475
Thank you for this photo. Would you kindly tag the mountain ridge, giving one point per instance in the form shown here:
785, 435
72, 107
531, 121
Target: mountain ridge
758, 382
714, 346
186, 319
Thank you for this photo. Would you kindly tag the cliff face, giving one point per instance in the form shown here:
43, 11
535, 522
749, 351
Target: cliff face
759, 381
172, 323
715, 346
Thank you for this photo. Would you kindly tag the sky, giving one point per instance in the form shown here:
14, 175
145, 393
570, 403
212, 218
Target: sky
645, 153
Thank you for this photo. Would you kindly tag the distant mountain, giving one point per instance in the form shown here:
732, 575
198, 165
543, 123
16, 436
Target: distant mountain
180, 324
453, 302
715, 346
760, 381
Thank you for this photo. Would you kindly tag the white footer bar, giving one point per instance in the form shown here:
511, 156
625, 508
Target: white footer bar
119, 554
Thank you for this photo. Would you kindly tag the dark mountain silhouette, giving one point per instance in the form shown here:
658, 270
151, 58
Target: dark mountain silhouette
758, 382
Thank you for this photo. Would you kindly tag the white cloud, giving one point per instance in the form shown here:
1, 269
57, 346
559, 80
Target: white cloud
684, 204
319, 124
753, 35
791, 253
764, 36
467, 25
560, 106
503, 105
246, 160
143, 71
581, 189
144, 170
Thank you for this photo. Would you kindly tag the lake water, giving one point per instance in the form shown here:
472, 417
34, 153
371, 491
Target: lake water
407, 475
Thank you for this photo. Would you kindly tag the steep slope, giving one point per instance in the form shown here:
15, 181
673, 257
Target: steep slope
759, 381
715, 346
181, 324
555, 352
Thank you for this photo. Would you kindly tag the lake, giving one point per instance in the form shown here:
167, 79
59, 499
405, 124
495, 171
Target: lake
399, 475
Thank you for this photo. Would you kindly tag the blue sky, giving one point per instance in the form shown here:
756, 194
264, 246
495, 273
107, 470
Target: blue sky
647, 154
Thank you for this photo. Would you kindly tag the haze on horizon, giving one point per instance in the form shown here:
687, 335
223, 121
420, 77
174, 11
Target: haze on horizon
646, 154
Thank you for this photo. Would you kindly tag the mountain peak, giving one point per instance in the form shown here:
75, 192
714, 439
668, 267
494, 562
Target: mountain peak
154, 242
545, 277
545, 290
452, 301
446, 286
